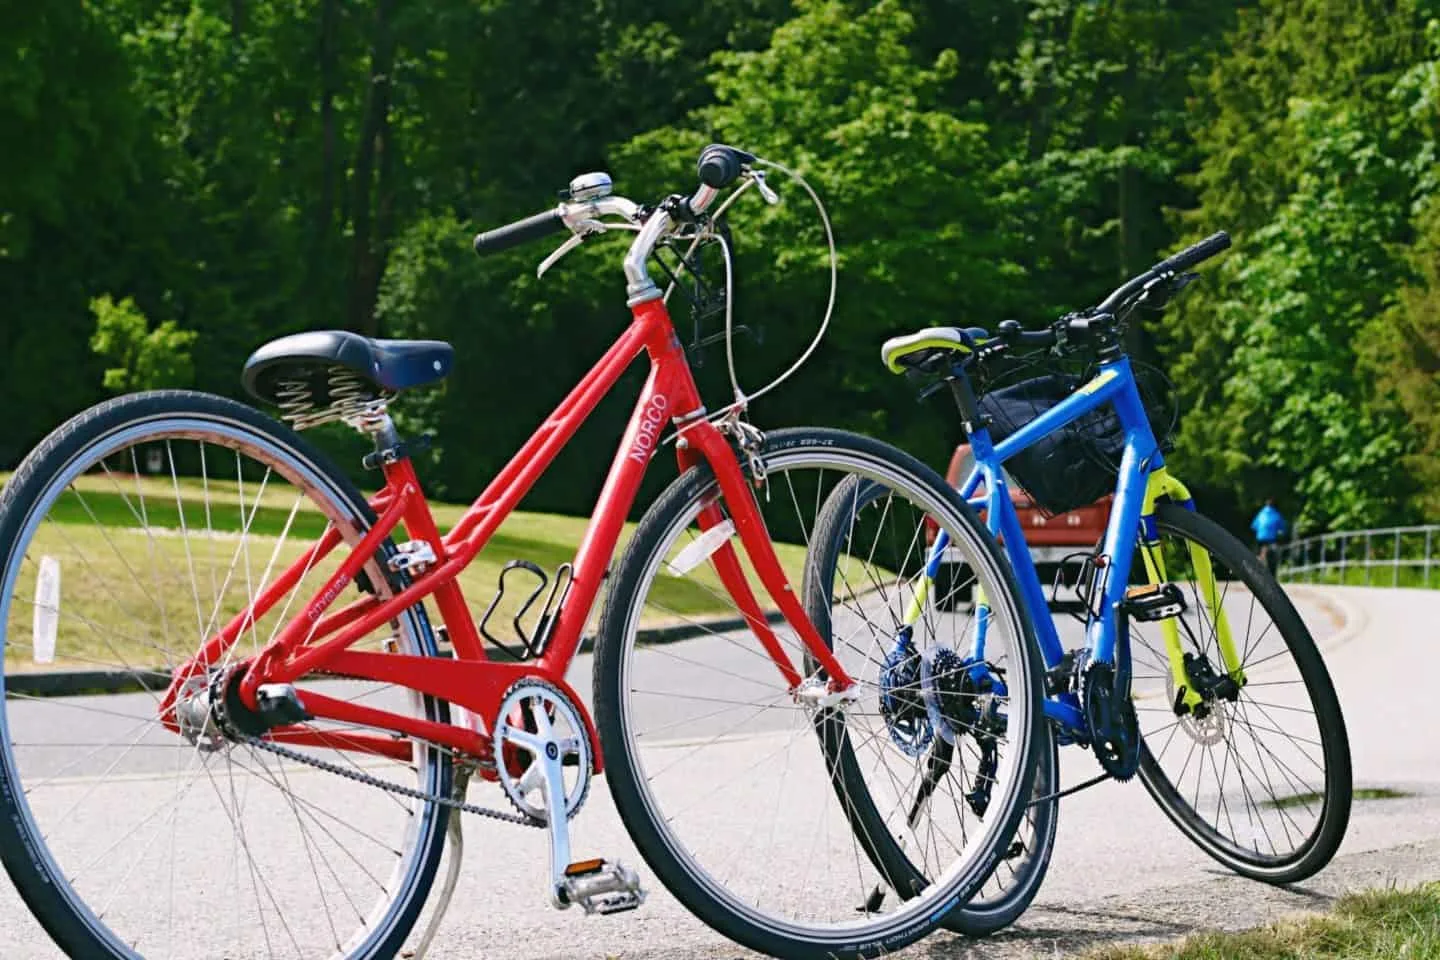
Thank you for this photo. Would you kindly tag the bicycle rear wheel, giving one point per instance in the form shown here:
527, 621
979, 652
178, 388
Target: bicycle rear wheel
129, 535
1258, 777
839, 547
760, 810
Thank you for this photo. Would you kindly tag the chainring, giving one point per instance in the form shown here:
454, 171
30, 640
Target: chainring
529, 706
1114, 727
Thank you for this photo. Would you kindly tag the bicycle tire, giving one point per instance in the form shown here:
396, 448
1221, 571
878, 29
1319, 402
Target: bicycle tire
988, 911
1324, 839
649, 827
74, 924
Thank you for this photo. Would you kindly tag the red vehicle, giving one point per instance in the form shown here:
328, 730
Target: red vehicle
1052, 537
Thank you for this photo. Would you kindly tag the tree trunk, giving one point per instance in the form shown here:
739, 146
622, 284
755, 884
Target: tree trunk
325, 209
1128, 254
366, 259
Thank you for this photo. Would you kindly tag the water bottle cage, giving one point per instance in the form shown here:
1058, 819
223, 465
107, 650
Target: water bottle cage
531, 645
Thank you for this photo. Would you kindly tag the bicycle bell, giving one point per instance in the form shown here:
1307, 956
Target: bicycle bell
590, 186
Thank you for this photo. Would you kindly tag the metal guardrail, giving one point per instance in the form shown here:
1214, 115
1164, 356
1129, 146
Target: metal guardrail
1386, 557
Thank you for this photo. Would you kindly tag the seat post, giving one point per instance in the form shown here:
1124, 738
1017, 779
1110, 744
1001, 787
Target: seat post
964, 394
381, 428
389, 446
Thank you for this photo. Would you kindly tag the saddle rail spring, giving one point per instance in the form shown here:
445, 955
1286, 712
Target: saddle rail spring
347, 397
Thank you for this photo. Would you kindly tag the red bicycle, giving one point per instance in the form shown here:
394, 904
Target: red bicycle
299, 735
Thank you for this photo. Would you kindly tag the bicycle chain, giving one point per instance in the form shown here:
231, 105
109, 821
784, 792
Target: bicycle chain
358, 776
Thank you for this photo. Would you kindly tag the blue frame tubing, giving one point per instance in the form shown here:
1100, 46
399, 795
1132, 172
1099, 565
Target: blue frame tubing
1142, 478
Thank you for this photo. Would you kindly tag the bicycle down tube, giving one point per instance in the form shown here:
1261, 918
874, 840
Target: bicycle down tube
317, 638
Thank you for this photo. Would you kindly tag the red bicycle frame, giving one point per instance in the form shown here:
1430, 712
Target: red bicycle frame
318, 639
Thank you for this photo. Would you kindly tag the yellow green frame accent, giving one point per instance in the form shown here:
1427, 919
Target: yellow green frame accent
917, 601
1161, 484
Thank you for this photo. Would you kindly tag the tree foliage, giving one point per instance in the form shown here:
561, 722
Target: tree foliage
238, 170
144, 359
1269, 354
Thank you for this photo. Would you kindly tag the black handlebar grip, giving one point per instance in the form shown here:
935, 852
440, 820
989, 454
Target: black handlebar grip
720, 165
521, 231
1196, 253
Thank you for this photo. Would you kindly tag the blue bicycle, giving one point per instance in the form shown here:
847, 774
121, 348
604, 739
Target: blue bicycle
1195, 670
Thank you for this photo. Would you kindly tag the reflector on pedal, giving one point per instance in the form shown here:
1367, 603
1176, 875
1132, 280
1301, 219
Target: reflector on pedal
582, 867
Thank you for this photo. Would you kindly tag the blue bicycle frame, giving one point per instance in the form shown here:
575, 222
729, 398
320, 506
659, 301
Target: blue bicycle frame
1142, 480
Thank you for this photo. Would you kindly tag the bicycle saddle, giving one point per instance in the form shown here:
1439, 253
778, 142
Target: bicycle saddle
314, 359
915, 348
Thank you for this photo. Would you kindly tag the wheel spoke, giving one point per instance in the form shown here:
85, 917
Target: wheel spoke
316, 865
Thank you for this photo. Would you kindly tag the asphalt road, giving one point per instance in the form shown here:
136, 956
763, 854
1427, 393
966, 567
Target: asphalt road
1120, 869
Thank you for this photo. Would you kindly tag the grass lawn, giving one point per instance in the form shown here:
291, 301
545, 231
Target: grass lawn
1377, 925
143, 599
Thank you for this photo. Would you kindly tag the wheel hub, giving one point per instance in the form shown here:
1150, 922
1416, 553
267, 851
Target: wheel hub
957, 696
1207, 722
195, 715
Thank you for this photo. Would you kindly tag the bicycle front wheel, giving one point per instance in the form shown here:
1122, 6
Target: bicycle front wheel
758, 809
1256, 774
129, 536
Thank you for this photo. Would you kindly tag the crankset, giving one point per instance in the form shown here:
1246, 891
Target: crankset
1110, 714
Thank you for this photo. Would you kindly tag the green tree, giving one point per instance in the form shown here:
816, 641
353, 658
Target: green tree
143, 358
918, 199
1401, 347
1308, 136
70, 129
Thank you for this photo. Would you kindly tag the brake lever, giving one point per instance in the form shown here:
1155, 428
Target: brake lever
583, 230
771, 197
575, 240
1159, 294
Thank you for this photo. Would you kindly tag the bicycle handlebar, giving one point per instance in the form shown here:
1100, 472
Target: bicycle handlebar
1012, 333
1195, 253
521, 231
1191, 256
719, 167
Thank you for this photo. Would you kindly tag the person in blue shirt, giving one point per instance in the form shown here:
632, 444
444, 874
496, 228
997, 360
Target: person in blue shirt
1269, 525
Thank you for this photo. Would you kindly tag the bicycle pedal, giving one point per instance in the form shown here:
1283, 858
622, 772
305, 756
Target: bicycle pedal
602, 887
1155, 601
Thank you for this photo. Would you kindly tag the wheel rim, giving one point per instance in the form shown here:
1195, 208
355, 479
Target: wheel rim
1251, 779
1022, 866
268, 832
799, 795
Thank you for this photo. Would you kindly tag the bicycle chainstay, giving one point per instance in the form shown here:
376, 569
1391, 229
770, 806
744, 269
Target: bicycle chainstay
519, 819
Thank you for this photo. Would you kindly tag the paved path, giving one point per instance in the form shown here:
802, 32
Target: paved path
1144, 880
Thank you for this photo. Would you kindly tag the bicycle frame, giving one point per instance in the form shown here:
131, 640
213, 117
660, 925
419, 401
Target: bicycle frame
316, 639
1142, 480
